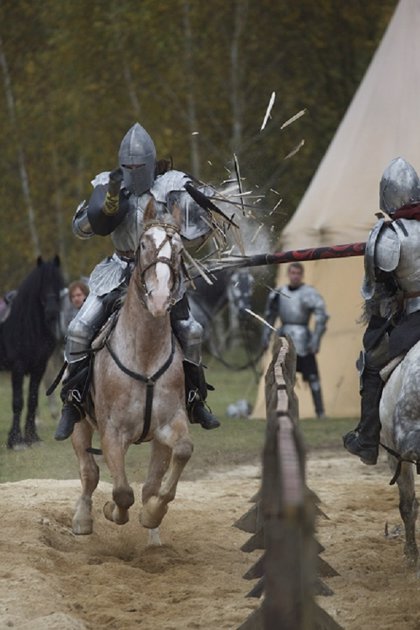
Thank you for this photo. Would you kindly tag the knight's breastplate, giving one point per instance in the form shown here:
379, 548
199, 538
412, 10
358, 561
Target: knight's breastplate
295, 315
408, 268
126, 236
292, 307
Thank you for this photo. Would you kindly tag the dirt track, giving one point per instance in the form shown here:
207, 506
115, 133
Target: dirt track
51, 579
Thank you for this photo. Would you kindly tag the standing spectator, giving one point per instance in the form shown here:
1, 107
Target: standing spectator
295, 303
76, 295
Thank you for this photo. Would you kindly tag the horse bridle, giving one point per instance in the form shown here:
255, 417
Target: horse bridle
171, 230
150, 381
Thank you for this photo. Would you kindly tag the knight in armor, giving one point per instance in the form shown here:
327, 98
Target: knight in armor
391, 290
295, 304
116, 208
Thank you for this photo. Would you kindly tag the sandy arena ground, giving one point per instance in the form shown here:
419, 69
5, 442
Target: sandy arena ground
52, 579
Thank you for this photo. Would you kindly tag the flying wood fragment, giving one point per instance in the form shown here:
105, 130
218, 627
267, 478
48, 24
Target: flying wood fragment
260, 319
268, 111
293, 118
295, 150
253, 239
275, 207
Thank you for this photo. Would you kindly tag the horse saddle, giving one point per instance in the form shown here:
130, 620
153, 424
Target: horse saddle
102, 336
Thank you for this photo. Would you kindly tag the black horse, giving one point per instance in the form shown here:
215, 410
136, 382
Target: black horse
27, 339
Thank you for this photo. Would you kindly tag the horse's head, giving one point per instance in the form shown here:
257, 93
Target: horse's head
159, 262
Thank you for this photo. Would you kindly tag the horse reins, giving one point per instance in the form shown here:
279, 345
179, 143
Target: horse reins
160, 259
150, 381
400, 461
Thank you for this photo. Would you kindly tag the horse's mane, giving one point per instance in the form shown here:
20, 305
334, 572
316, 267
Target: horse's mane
25, 328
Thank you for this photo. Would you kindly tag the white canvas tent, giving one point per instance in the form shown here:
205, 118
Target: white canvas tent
382, 122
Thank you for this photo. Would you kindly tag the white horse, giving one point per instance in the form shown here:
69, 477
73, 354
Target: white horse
400, 420
138, 389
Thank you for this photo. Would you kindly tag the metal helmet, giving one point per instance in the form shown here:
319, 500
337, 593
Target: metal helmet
399, 186
137, 159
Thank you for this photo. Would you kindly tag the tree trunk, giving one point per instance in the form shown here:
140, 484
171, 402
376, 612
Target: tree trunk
237, 71
191, 104
24, 180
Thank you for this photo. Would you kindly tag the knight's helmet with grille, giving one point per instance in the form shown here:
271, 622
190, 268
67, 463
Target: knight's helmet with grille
137, 159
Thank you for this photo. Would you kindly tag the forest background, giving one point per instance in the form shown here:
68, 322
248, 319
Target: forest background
76, 74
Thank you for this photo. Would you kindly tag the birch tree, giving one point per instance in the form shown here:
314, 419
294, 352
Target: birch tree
19, 152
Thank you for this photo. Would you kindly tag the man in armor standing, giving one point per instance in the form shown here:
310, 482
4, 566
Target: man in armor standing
295, 304
391, 289
116, 208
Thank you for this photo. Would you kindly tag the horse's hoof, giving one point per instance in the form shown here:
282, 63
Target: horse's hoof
82, 528
108, 510
16, 446
111, 510
152, 513
34, 441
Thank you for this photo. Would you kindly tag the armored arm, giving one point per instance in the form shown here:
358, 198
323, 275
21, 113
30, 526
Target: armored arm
321, 317
81, 224
105, 209
108, 205
380, 288
176, 189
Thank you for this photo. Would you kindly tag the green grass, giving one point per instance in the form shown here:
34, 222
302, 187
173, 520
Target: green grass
326, 433
236, 442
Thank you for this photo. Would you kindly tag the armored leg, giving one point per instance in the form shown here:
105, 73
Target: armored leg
315, 385
80, 333
364, 440
189, 334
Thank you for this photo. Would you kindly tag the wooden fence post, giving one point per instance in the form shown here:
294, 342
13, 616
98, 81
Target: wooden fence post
283, 519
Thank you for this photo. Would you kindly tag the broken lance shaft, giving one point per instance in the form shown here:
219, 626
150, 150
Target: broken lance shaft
301, 255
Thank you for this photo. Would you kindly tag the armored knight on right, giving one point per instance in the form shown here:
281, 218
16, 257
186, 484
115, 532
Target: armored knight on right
391, 289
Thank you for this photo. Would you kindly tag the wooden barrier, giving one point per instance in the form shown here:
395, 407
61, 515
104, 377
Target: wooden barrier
282, 520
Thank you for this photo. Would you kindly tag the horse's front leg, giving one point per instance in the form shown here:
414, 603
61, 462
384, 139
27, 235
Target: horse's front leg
114, 450
160, 458
31, 435
408, 510
14, 439
177, 441
89, 476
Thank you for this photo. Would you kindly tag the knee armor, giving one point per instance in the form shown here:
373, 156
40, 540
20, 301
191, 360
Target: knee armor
190, 335
83, 327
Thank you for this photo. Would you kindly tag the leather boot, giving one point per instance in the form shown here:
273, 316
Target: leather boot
71, 395
316, 392
364, 440
196, 393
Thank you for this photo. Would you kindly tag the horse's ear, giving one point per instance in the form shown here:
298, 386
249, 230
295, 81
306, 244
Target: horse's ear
39, 261
150, 212
56, 260
177, 214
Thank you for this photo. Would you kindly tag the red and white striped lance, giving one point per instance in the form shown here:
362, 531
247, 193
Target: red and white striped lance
294, 255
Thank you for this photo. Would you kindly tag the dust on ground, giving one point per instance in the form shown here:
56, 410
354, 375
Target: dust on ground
51, 579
